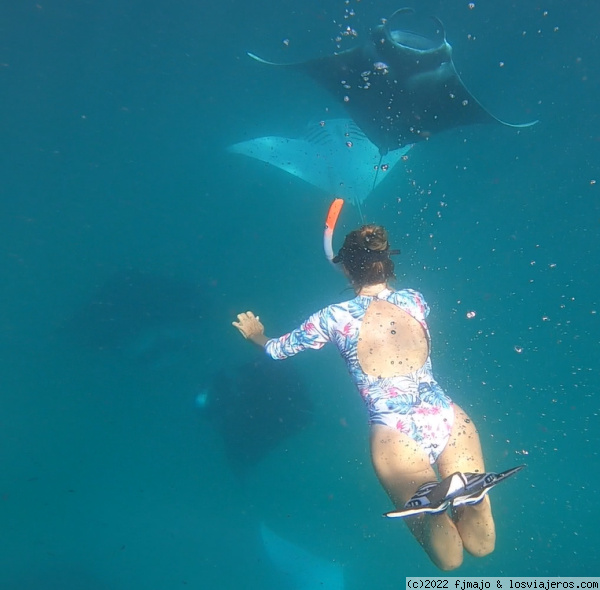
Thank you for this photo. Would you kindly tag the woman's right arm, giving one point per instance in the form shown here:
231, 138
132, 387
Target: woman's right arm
250, 327
313, 333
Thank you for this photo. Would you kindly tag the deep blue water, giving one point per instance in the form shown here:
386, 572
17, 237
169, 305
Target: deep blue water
114, 121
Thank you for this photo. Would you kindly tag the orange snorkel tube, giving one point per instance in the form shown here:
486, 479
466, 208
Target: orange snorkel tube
330, 221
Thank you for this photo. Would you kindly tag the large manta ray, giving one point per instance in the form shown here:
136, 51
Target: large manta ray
400, 86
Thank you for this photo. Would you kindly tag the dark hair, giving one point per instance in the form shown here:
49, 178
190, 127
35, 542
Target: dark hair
366, 256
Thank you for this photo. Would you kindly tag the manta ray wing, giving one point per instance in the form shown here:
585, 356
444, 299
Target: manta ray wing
334, 155
303, 570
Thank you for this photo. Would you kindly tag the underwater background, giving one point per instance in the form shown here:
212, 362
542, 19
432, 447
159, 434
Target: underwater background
115, 117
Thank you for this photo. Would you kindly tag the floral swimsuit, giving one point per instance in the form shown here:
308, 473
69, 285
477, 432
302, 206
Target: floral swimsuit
414, 403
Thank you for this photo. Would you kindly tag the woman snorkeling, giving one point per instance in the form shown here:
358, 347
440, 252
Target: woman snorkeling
383, 337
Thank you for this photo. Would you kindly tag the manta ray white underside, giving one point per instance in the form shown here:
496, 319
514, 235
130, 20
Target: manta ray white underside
299, 569
334, 155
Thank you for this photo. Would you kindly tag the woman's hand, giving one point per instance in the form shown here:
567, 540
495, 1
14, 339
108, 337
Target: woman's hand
250, 328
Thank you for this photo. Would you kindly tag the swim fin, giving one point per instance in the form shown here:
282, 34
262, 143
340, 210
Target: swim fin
432, 497
479, 484
458, 489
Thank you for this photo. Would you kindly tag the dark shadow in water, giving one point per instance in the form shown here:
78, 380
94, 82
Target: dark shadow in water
148, 319
255, 408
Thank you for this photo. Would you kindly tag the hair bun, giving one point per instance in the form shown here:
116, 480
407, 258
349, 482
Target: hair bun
366, 256
374, 238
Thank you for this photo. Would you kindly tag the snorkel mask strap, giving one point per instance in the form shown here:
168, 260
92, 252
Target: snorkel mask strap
332, 217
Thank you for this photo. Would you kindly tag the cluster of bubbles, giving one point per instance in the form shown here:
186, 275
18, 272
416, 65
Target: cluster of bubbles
379, 67
347, 31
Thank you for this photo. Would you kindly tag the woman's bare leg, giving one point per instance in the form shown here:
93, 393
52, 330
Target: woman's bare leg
475, 523
402, 466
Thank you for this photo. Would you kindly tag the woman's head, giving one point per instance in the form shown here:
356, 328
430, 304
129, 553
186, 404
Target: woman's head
366, 256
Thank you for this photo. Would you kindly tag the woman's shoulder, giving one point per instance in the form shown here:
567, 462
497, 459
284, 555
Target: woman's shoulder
354, 307
406, 296
408, 293
410, 298
347, 305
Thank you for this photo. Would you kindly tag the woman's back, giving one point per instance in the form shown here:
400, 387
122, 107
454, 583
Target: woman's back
391, 342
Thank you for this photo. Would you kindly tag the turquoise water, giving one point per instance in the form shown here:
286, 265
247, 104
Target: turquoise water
115, 118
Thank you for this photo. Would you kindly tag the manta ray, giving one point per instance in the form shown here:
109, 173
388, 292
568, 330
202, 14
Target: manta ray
400, 86
333, 155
